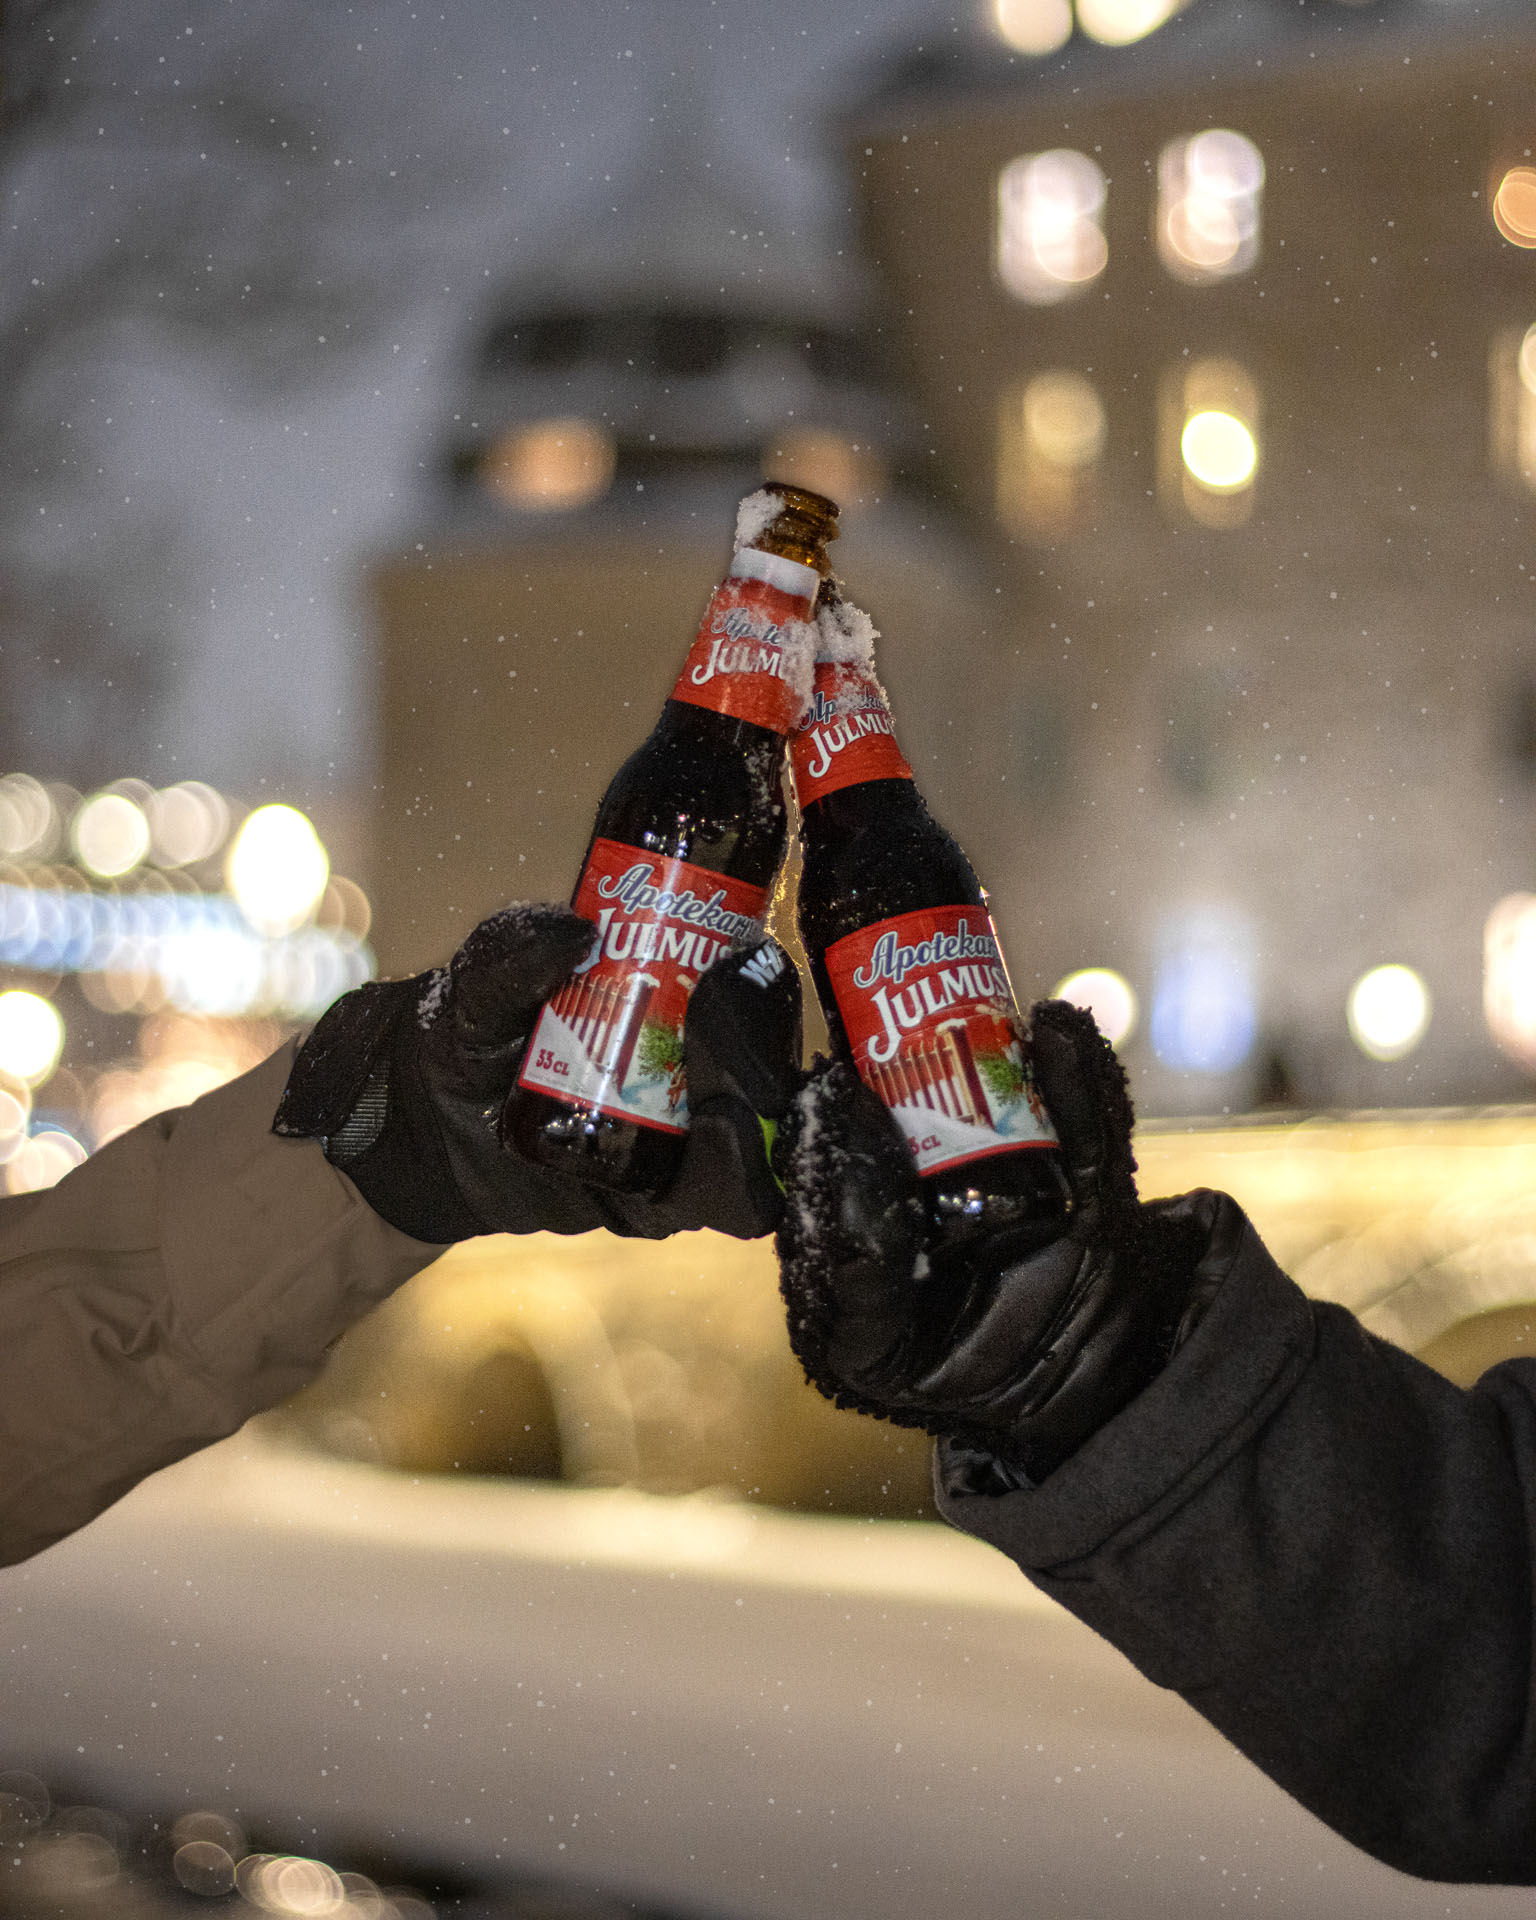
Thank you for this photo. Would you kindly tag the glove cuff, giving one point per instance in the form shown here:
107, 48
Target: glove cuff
356, 1087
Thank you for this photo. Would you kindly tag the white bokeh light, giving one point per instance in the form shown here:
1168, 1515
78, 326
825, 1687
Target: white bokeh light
1107, 995
31, 1036
188, 822
1033, 26
43, 1162
1218, 450
1050, 225
1116, 23
1388, 1012
1210, 186
110, 835
15, 1111
277, 869
289, 1884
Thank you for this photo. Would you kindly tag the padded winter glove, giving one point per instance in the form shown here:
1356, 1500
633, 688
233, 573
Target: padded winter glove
404, 1081
1018, 1360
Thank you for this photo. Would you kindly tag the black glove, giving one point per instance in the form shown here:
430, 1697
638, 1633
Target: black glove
403, 1082
1016, 1360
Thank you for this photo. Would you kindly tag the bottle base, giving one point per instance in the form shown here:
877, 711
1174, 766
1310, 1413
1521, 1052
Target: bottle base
1014, 1203
596, 1148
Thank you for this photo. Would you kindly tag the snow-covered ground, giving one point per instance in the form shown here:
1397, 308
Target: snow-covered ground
728, 1709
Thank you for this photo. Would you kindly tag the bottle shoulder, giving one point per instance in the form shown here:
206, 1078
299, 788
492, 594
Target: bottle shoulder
875, 852
708, 793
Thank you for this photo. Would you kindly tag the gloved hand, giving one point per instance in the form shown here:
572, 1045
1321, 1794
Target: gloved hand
403, 1082
1017, 1360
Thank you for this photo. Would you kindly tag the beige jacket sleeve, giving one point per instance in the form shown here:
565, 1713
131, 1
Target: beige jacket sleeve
192, 1272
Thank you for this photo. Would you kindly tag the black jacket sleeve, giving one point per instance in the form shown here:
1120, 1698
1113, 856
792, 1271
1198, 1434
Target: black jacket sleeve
1326, 1549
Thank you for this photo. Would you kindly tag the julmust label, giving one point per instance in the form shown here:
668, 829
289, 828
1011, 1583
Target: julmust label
612, 1037
846, 736
752, 657
931, 1019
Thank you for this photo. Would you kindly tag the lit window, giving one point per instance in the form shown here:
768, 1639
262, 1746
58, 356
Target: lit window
1512, 406
1118, 22
1509, 976
1050, 231
1208, 446
551, 466
1050, 437
845, 470
1034, 26
1514, 206
1209, 189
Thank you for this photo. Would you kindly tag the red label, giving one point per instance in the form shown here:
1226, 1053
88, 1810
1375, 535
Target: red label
930, 1015
752, 657
612, 1037
846, 736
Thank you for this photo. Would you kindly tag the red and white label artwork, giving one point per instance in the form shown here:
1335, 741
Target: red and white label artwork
752, 657
929, 1013
846, 737
612, 1037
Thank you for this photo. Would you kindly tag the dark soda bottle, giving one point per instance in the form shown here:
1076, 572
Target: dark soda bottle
908, 967
685, 847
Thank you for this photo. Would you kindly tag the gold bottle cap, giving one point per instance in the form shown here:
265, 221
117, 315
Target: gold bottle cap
803, 528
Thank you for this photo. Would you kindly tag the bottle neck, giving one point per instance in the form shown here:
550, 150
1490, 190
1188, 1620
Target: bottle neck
751, 660
846, 739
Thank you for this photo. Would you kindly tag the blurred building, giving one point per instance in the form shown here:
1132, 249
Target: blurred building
1222, 326
615, 406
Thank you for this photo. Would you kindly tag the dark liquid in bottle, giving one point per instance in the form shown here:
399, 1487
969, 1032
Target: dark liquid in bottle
705, 788
873, 851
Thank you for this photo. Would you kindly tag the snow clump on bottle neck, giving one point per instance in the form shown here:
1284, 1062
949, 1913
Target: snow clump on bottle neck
800, 643
755, 515
799, 639
845, 635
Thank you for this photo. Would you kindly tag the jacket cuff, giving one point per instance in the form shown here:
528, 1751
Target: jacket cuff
1240, 1361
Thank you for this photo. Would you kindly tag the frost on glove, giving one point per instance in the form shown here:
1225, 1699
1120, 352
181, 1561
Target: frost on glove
1017, 1360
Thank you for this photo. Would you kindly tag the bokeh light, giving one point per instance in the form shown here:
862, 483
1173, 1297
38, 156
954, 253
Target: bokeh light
291, 1885
1218, 450
277, 869
1388, 1012
1050, 233
847, 470
204, 1867
1107, 995
1118, 22
31, 1036
1064, 419
1514, 206
43, 1161
15, 1112
1209, 191
188, 823
551, 466
28, 823
1203, 1010
1033, 26
1509, 976
110, 835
